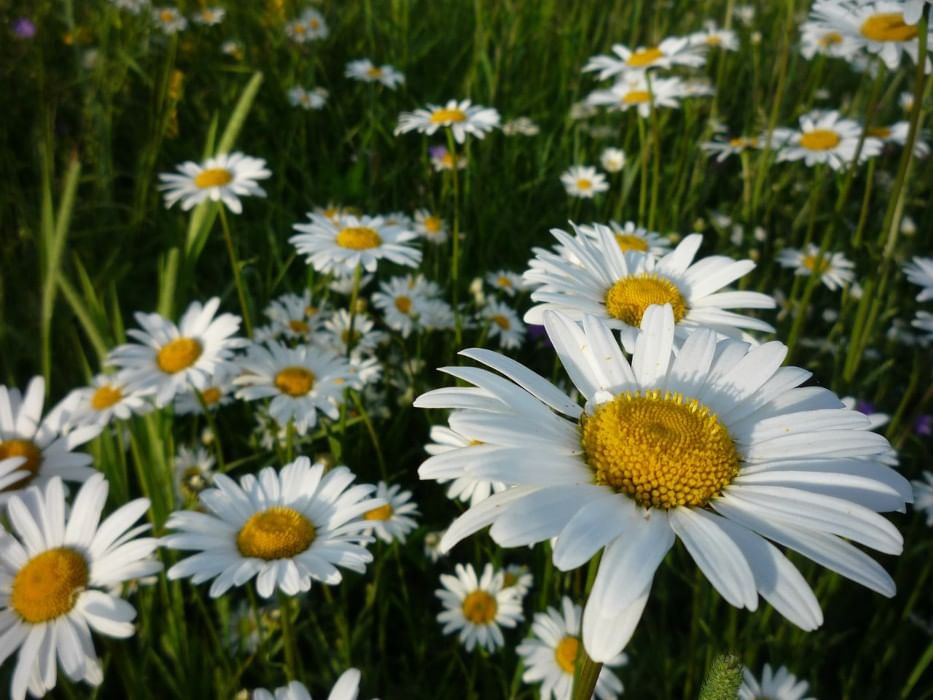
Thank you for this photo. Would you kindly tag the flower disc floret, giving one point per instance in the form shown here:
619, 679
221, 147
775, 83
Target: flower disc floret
278, 532
295, 381
565, 654
178, 355
358, 238
629, 297
479, 607
888, 26
446, 116
820, 140
33, 460
213, 177
48, 585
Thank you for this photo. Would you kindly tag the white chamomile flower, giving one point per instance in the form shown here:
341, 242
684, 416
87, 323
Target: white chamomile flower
216, 393
308, 27
673, 51
336, 333
476, 608
351, 242
455, 452
820, 38
393, 521
169, 19
592, 276
503, 323
55, 576
432, 541
722, 148
437, 315
898, 133
920, 271
194, 471
294, 316
713, 444
366, 71
105, 400
505, 281
834, 269
442, 159
347, 687
315, 98
550, 655
223, 178
774, 685
635, 91
461, 117
167, 359
612, 159
518, 578
286, 528
33, 448
824, 137
209, 16
712, 37
521, 126
923, 496
402, 301
430, 227
629, 236
300, 381
583, 181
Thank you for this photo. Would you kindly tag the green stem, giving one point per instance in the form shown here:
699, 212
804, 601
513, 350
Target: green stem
587, 673
234, 263
354, 295
288, 638
455, 236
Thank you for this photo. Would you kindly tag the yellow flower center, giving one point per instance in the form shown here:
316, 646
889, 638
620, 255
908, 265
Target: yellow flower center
22, 448
504, 281
213, 177
743, 142
629, 242
276, 533
294, 381
629, 298
713, 40
403, 304
820, 140
584, 184
662, 450
211, 395
645, 57
879, 132
193, 481
830, 39
167, 16
314, 24
310, 310
358, 238
374, 72
565, 653
178, 354
447, 160
105, 397
509, 579
441, 116
636, 97
299, 28
501, 321
380, 513
888, 26
813, 264
432, 224
48, 585
479, 607
298, 326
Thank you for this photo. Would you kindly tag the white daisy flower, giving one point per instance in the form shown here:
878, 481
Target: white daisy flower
300, 381
476, 608
745, 14
336, 333
218, 392
923, 496
194, 472
399, 218
518, 578
774, 685
347, 687
521, 126
286, 528
308, 27
924, 321
437, 315
583, 181
592, 276
168, 359
33, 448
722, 148
819, 38
169, 19
636, 92
897, 133
106, 399
367, 72
364, 241
505, 281
503, 323
712, 37
612, 159
315, 98
432, 541
430, 227
550, 655
442, 159
223, 178
55, 576
834, 269
673, 51
824, 137
394, 520
294, 316
715, 445
452, 452
629, 236
402, 301
461, 118
209, 16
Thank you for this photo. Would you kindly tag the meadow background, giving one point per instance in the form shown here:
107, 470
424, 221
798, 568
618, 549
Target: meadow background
99, 101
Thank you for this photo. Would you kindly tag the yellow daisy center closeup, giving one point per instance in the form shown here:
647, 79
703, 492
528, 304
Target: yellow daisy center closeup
105, 396
276, 533
403, 304
645, 57
294, 381
629, 242
629, 298
636, 97
501, 321
480, 608
441, 116
380, 513
813, 264
584, 184
178, 354
830, 39
888, 26
48, 585
211, 395
358, 238
661, 449
22, 448
213, 177
565, 653
298, 326
820, 140
432, 224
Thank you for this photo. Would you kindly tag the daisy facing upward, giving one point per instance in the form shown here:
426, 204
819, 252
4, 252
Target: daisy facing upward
223, 178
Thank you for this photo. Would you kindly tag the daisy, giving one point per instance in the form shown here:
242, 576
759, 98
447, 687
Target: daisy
106, 399
347, 687
209, 16
33, 448
629, 236
550, 655
294, 316
218, 392
315, 98
820, 38
461, 118
337, 337
612, 159
452, 453
436, 315
923, 496
920, 272
300, 381
834, 269
223, 178
521, 126
442, 159
592, 276
430, 226
583, 181
167, 359
432, 541
505, 281
712, 37
825, 137
286, 528
518, 578
394, 520
351, 242
56, 575
365, 71
503, 323
402, 301
169, 19
673, 51
723, 148
635, 91
715, 445
476, 608
898, 133
194, 471
774, 685
309, 27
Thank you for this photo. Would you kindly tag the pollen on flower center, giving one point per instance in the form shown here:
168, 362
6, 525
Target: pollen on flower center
48, 585
629, 298
584, 184
441, 116
661, 449
888, 26
22, 448
645, 57
480, 608
213, 177
820, 140
178, 354
636, 97
629, 242
276, 533
502, 322
811, 263
403, 304
380, 513
565, 653
294, 381
105, 396
358, 238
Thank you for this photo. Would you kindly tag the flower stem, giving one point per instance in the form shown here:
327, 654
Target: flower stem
354, 295
584, 681
455, 236
288, 638
234, 263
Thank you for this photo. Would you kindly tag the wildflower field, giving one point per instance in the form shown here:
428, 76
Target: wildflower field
490, 349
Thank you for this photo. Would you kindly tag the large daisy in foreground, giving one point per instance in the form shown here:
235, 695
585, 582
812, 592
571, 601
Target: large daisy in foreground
715, 445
